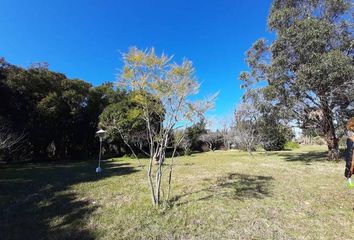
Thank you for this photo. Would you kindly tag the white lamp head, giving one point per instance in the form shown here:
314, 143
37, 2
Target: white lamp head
101, 134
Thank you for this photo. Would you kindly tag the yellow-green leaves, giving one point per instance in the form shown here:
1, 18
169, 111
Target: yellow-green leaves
154, 79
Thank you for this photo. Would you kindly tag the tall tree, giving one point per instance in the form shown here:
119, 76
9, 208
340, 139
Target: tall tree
308, 68
162, 88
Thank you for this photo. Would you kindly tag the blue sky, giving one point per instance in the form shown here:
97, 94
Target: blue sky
84, 38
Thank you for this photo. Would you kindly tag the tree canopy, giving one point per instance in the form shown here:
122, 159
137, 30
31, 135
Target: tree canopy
57, 115
308, 68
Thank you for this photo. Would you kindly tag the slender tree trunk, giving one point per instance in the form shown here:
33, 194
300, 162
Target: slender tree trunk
171, 168
149, 175
170, 174
158, 182
161, 156
152, 153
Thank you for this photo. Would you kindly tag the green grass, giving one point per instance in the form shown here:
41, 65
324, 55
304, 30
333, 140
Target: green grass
222, 195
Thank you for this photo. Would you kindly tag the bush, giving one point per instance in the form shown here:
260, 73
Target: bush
274, 144
291, 145
273, 138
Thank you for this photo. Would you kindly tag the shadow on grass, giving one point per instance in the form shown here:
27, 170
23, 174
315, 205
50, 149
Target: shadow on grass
234, 186
36, 201
306, 157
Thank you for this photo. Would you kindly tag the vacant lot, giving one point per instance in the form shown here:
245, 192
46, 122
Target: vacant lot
222, 195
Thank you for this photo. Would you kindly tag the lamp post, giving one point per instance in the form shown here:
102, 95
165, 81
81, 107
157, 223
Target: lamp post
101, 134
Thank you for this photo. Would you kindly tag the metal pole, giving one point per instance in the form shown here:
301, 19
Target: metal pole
99, 157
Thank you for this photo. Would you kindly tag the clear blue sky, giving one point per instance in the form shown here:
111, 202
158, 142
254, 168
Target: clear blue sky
84, 38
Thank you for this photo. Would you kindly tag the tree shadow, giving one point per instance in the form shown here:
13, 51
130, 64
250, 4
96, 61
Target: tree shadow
235, 186
306, 157
36, 201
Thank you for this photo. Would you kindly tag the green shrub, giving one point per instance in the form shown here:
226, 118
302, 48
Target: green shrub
273, 138
291, 145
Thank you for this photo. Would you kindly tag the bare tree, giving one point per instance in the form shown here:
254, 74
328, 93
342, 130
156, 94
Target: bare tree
10, 142
226, 133
246, 134
212, 139
182, 141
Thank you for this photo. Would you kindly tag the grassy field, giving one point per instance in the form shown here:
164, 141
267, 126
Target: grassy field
222, 195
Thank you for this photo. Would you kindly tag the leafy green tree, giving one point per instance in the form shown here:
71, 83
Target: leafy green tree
124, 125
193, 134
68, 105
272, 125
308, 68
59, 116
273, 134
25, 89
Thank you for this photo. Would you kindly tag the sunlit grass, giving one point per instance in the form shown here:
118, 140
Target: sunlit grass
216, 195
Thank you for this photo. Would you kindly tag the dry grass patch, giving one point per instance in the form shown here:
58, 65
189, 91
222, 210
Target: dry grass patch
221, 195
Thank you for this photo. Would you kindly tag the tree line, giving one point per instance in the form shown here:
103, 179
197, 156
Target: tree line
304, 78
46, 116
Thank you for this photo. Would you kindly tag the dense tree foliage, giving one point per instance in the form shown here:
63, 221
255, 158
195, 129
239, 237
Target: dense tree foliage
127, 132
57, 115
273, 134
259, 123
193, 134
46, 116
309, 67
